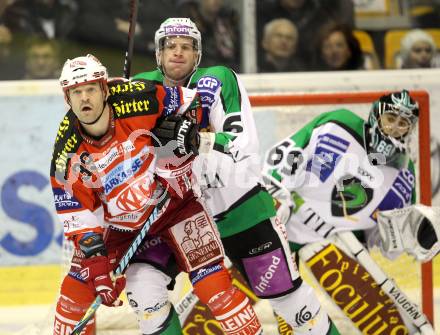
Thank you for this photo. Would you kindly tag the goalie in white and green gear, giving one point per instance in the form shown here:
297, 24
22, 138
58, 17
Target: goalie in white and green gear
228, 170
338, 172
391, 140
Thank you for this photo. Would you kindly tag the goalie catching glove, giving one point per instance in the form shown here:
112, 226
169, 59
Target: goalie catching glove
96, 270
413, 229
179, 129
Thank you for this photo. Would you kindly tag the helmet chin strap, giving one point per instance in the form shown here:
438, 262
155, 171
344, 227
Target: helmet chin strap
98, 118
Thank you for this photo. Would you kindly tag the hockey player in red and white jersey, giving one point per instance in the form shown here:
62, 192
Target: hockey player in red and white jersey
103, 175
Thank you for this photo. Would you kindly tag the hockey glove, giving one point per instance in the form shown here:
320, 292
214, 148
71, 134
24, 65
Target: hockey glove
179, 129
96, 270
413, 229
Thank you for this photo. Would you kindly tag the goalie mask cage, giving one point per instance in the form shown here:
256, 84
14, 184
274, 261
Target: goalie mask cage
289, 112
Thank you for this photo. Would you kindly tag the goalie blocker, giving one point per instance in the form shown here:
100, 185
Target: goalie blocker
414, 229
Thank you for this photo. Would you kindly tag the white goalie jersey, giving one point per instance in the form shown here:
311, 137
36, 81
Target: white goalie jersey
331, 182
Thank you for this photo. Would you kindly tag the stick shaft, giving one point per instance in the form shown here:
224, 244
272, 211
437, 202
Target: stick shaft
123, 263
130, 44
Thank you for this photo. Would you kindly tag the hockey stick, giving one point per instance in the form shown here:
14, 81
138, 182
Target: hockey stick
123, 263
407, 309
131, 31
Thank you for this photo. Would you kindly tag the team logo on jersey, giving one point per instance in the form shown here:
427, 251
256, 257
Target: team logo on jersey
350, 197
136, 195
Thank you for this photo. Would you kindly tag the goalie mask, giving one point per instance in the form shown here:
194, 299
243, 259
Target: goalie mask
391, 121
172, 27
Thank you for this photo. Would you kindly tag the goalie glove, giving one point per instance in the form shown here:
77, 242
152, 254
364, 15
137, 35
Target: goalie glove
413, 229
179, 129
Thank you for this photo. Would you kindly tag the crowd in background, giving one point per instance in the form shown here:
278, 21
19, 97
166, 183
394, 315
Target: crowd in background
36, 36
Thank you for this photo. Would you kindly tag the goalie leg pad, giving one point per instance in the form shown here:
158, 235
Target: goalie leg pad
148, 296
302, 311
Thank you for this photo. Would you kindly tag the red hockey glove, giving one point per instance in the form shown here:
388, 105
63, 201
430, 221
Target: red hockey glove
95, 271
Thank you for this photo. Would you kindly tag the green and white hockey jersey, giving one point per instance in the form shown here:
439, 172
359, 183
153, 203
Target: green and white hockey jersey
330, 181
229, 171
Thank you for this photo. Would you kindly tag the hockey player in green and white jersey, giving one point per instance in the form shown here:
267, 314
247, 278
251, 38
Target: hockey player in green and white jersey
339, 174
228, 171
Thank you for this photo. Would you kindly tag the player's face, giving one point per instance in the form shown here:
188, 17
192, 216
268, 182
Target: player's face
178, 57
87, 101
394, 125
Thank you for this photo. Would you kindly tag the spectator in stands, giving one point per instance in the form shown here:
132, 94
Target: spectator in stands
10, 66
307, 15
106, 22
337, 49
425, 13
280, 39
42, 58
49, 18
219, 26
418, 50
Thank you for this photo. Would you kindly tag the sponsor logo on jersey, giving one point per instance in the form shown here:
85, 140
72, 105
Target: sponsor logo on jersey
113, 154
204, 272
64, 125
126, 87
123, 107
65, 201
178, 29
136, 195
129, 217
124, 170
327, 153
63, 155
272, 275
198, 240
208, 83
356, 293
266, 278
121, 173
172, 100
400, 193
206, 87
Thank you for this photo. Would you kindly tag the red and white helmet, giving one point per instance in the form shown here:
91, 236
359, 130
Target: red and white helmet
178, 26
82, 70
